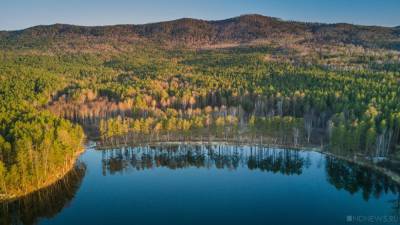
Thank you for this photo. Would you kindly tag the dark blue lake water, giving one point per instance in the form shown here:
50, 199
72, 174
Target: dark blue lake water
220, 184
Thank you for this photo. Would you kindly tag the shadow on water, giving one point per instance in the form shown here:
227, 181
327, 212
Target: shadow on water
45, 203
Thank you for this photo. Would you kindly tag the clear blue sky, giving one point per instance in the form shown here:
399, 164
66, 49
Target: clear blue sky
18, 14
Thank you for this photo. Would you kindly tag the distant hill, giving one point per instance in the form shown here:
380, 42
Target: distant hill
197, 33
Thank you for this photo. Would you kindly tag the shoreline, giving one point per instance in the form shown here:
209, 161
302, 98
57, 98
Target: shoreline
53, 180
389, 173
359, 160
243, 140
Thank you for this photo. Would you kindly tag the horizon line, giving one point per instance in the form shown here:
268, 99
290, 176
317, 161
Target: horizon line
200, 19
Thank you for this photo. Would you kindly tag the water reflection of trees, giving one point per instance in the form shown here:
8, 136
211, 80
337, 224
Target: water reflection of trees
355, 178
45, 203
342, 174
219, 156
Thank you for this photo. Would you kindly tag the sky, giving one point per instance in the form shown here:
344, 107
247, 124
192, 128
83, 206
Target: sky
20, 14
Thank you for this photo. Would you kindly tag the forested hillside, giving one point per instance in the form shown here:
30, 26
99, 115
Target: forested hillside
200, 33
297, 84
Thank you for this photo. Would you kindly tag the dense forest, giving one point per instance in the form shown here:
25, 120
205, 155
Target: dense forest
297, 84
36, 147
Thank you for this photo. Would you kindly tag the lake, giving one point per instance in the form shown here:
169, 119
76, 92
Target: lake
210, 184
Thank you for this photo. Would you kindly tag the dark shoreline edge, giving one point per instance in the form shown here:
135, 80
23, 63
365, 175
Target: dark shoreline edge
54, 180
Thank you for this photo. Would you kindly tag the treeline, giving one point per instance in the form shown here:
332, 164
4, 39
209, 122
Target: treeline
372, 134
288, 129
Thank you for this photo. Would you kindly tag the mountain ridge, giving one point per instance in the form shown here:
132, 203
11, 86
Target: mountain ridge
197, 32
195, 19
